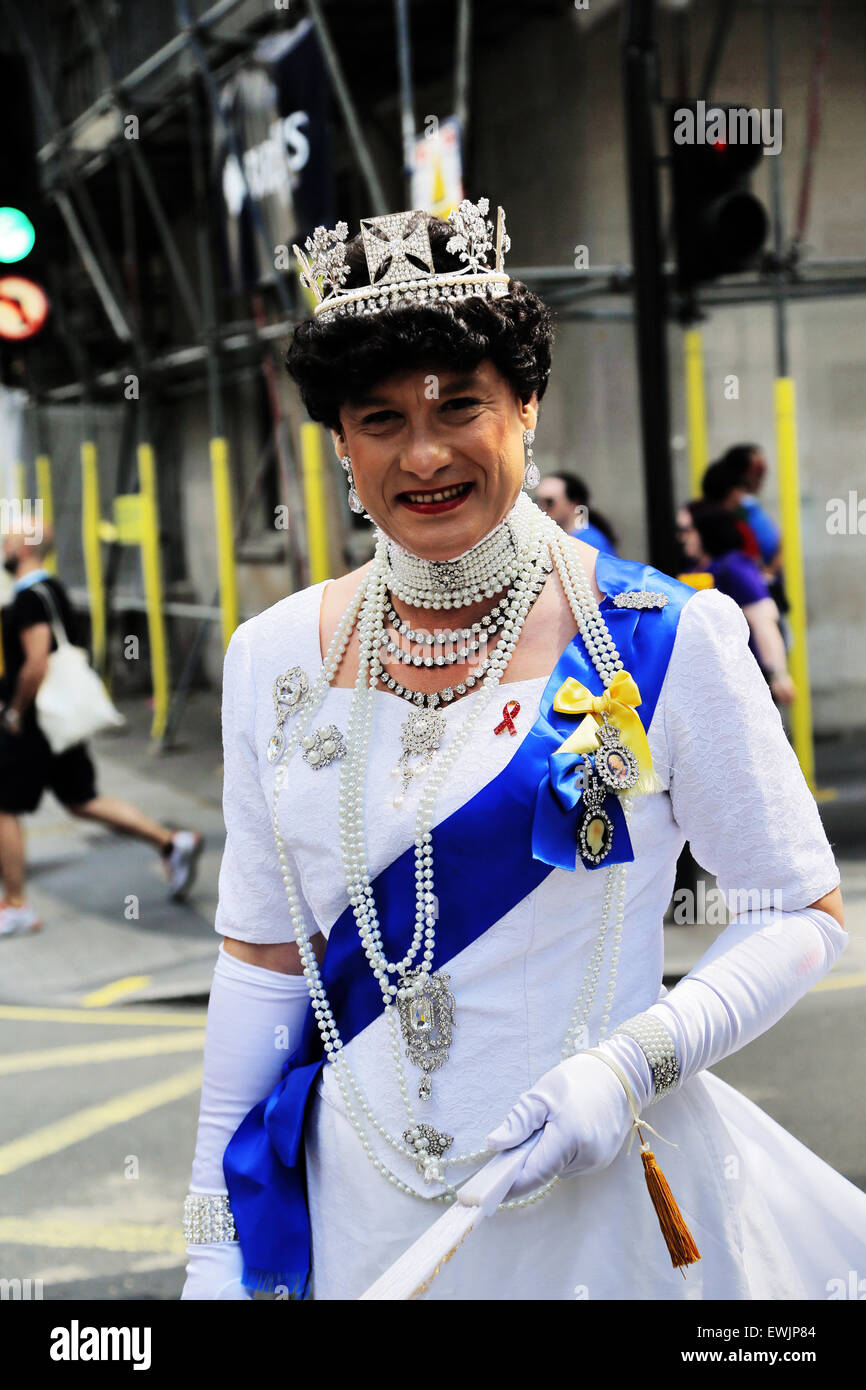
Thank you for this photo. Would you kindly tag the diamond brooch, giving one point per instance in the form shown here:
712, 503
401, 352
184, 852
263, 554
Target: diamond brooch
290, 691
640, 598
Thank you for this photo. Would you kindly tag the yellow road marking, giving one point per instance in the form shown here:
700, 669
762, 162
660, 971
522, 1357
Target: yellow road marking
852, 979
125, 1236
98, 998
131, 1018
85, 1123
49, 1057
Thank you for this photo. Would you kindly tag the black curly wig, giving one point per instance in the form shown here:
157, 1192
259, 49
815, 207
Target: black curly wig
340, 360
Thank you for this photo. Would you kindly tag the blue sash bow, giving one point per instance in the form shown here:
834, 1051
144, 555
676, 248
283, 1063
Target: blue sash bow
525, 813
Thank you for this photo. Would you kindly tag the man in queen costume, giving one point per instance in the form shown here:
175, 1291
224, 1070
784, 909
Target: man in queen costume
457, 782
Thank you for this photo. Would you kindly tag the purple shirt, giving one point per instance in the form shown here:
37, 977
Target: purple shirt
739, 577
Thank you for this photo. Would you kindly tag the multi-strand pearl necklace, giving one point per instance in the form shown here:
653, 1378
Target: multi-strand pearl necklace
479, 573
369, 602
433, 699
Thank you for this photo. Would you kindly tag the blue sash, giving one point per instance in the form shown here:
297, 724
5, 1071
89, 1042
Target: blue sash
519, 815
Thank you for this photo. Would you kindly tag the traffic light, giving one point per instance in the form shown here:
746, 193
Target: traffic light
23, 303
719, 224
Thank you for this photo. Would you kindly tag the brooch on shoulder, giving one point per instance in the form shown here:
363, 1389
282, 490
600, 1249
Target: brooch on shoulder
290, 691
640, 598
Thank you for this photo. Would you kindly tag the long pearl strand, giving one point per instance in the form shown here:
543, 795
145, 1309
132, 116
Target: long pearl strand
354, 774
606, 659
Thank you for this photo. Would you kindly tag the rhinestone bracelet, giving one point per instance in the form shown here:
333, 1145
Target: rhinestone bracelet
657, 1045
207, 1219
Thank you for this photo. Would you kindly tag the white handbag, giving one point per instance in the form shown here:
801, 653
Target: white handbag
72, 703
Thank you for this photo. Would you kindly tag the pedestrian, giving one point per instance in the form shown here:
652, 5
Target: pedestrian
28, 767
501, 887
723, 487
747, 466
565, 497
713, 541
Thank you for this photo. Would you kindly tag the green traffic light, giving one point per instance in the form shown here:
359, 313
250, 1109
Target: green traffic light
17, 236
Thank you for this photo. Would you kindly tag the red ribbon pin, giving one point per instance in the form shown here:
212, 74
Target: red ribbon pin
508, 710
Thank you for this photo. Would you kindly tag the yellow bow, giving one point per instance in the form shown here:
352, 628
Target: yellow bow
617, 702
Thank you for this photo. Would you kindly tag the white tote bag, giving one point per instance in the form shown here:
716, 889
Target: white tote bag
72, 704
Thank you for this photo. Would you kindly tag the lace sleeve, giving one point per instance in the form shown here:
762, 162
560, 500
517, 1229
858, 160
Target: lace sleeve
735, 784
252, 902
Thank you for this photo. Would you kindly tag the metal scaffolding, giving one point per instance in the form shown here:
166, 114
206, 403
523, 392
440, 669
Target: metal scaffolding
177, 87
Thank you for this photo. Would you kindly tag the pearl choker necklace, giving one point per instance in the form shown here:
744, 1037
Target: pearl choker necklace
481, 572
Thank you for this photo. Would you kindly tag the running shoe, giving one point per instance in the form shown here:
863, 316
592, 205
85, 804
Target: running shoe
16, 921
182, 862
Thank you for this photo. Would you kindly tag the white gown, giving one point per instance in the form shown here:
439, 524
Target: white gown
770, 1218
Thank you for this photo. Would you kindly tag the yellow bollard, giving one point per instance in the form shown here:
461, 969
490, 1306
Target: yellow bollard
696, 410
152, 571
90, 522
315, 501
792, 543
45, 491
225, 535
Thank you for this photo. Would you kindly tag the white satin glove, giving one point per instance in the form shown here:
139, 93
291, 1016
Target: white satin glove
214, 1273
752, 974
253, 1024
756, 969
585, 1113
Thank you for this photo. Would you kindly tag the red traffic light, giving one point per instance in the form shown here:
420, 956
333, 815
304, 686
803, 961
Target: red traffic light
23, 307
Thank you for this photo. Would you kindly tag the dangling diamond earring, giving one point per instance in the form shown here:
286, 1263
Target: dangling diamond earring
354, 500
531, 475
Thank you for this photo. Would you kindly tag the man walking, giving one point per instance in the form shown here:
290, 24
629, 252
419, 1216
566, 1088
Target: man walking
28, 767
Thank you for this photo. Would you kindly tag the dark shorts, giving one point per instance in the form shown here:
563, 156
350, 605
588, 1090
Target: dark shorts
28, 768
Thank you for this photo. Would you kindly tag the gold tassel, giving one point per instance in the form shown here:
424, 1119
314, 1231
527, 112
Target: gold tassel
678, 1237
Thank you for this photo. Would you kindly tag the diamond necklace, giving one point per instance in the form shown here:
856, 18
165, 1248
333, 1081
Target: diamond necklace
490, 620
604, 656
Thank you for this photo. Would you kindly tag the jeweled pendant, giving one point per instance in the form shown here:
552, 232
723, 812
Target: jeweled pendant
421, 734
595, 827
276, 745
426, 1022
595, 835
616, 766
354, 500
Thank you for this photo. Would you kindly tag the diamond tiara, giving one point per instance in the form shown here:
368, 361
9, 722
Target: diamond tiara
400, 261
